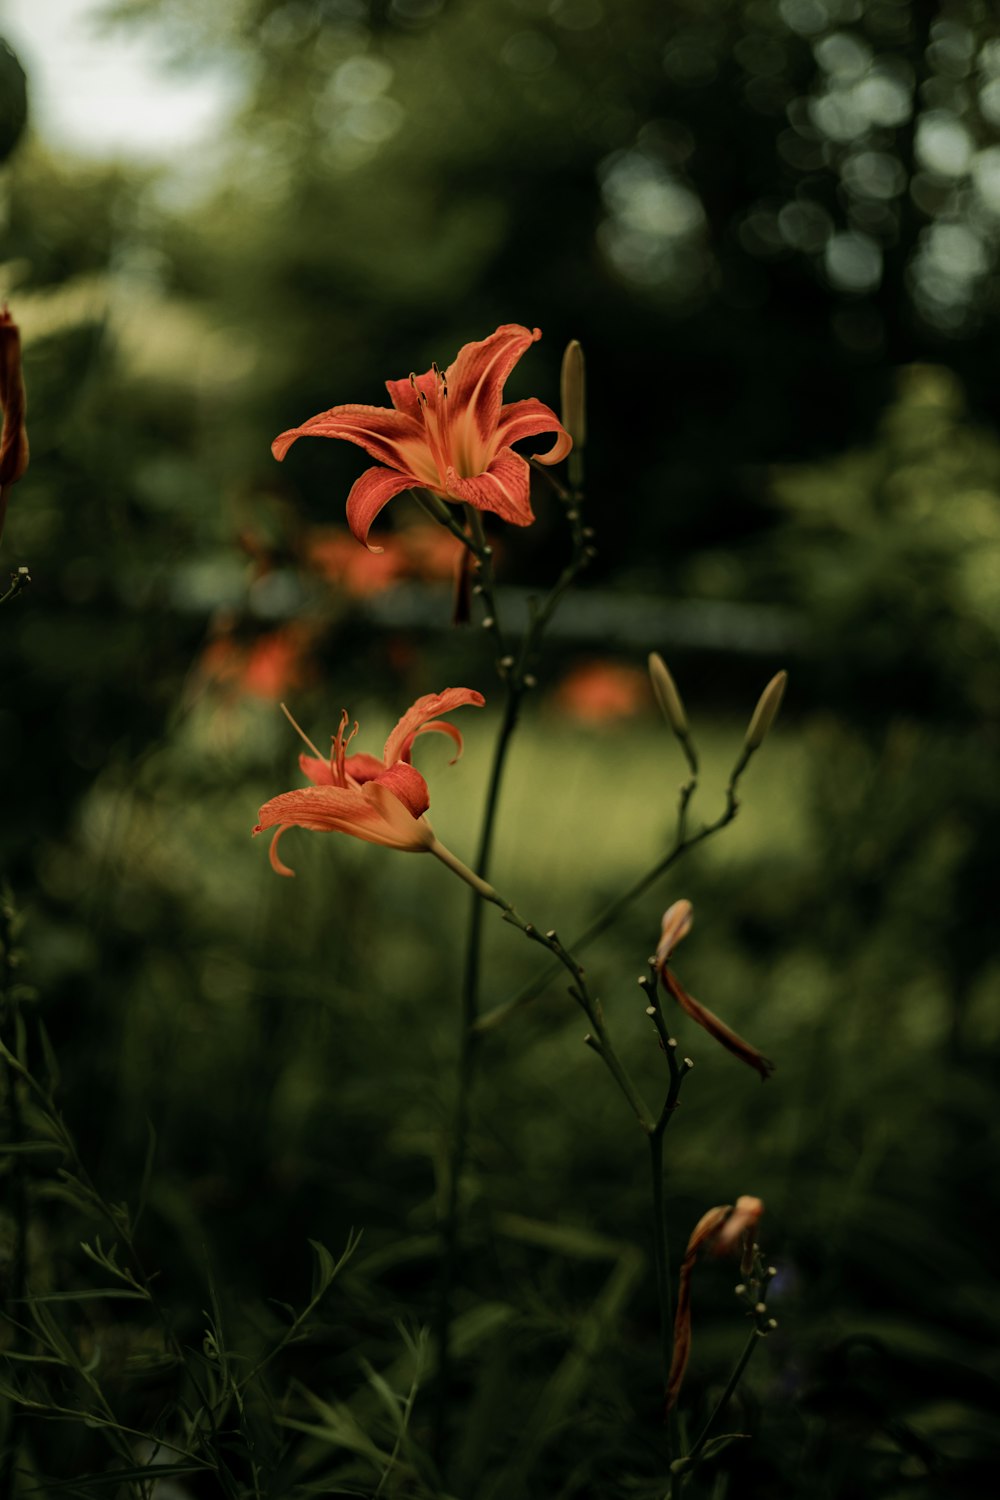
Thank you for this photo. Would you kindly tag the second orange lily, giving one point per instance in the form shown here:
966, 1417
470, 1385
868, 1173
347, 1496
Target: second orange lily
380, 801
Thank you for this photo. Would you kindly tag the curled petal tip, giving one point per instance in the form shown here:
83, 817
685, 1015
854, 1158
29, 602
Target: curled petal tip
277, 863
677, 921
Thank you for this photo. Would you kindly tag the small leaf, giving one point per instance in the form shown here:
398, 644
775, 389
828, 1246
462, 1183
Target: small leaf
89, 1294
28, 1148
147, 1173
326, 1267
51, 1062
384, 1391
712, 1449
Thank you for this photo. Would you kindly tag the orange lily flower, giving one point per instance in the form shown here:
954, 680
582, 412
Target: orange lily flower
677, 920
381, 801
718, 1232
449, 433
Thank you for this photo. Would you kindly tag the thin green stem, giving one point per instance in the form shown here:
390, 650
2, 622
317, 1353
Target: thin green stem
17, 1284
512, 672
468, 1050
610, 914
661, 1248
439, 511
756, 1337
487, 588
18, 1276
756, 1295
602, 1046
661, 1253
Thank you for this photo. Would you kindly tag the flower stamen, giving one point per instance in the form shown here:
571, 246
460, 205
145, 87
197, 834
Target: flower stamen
301, 733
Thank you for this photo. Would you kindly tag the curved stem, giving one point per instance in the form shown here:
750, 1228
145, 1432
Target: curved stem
723, 1401
611, 913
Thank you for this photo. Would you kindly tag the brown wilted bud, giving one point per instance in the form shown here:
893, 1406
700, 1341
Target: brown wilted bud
766, 711
716, 1231
677, 920
573, 390
715, 1026
14, 439
667, 695
744, 1215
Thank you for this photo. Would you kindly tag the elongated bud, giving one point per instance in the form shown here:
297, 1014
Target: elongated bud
766, 711
14, 439
667, 695
573, 389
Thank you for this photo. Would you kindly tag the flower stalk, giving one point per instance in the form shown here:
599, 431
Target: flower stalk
13, 433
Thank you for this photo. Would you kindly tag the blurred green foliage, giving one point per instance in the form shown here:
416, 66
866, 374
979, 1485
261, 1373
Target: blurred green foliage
773, 226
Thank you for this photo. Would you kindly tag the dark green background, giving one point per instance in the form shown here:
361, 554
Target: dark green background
790, 463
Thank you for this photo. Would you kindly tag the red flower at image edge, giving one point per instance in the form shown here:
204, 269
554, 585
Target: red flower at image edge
381, 801
449, 433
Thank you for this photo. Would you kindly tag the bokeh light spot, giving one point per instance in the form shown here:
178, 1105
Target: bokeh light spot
853, 261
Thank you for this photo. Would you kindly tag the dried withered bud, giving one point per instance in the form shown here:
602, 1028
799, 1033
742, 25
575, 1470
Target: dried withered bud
14, 439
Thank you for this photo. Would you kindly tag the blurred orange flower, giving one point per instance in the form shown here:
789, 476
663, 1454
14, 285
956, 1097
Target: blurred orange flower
432, 553
333, 553
381, 801
602, 692
426, 552
268, 667
449, 433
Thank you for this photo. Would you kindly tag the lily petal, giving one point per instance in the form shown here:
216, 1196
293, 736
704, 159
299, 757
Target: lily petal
419, 715
406, 783
440, 726
363, 767
371, 812
369, 493
504, 489
404, 393
527, 418
476, 377
277, 863
360, 768
390, 436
